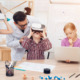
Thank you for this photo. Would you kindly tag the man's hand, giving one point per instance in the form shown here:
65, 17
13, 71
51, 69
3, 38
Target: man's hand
21, 40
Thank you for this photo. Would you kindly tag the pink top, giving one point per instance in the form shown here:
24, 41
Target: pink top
36, 51
65, 42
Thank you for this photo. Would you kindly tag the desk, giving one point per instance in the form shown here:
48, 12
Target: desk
61, 69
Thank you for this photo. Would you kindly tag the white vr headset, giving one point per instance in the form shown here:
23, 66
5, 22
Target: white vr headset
37, 27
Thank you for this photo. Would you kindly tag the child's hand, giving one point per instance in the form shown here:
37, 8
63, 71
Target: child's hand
30, 34
71, 42
44, 33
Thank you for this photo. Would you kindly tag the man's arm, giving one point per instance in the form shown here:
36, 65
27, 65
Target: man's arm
11, 42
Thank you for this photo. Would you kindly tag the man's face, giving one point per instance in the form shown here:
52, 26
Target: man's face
22, 24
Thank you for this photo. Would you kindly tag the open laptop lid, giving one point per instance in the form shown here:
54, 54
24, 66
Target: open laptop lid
67, 53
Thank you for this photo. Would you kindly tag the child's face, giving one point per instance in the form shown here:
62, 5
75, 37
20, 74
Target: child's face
37, 35
70, 33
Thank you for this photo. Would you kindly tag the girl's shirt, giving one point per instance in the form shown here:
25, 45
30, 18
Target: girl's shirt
65, 42
36, 51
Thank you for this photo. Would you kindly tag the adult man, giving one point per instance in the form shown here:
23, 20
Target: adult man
21, 27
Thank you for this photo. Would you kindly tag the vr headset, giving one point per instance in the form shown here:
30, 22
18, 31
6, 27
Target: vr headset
37, 27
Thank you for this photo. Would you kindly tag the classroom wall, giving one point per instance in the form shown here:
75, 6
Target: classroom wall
59, 15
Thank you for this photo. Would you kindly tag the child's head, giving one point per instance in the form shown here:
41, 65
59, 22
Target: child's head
37, 30
37, 34
70, 30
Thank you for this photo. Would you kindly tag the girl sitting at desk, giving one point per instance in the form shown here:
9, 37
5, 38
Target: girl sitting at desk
36, 43
71, 40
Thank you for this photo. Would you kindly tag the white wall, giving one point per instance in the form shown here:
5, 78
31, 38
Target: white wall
59, 15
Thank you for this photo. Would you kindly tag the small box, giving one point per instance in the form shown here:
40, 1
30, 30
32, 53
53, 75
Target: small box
5, 53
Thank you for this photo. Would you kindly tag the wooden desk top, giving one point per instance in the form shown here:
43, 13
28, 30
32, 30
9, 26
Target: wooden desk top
61, 69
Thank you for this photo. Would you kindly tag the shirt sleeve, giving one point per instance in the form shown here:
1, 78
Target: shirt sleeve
25, 44
78, 44
63, 43
11, 42
46, 44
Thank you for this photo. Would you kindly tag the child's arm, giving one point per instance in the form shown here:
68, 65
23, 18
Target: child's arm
25, 42
8, 30
46, 44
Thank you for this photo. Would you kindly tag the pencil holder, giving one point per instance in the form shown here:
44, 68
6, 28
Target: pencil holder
9, 70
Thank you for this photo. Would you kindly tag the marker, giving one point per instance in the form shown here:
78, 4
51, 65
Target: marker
77, 75
72, 75
19, 69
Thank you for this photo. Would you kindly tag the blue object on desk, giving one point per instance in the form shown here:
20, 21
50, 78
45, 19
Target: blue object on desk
46, 78
41, 77
55, 77
58, 78
49, 77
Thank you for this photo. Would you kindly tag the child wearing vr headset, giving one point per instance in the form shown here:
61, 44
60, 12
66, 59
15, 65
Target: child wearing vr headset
36, 42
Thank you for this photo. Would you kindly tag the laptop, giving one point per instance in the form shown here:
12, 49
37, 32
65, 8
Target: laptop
67, 53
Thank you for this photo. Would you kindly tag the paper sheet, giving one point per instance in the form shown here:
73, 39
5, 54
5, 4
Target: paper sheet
35, 66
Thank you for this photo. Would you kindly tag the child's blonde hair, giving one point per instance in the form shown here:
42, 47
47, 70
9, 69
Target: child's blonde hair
70, 26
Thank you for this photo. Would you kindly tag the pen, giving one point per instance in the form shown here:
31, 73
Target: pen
72, 75
77, 75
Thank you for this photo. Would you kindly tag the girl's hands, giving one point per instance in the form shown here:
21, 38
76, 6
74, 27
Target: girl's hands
71, 42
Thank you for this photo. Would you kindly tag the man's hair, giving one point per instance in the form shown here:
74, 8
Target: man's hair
19, 16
